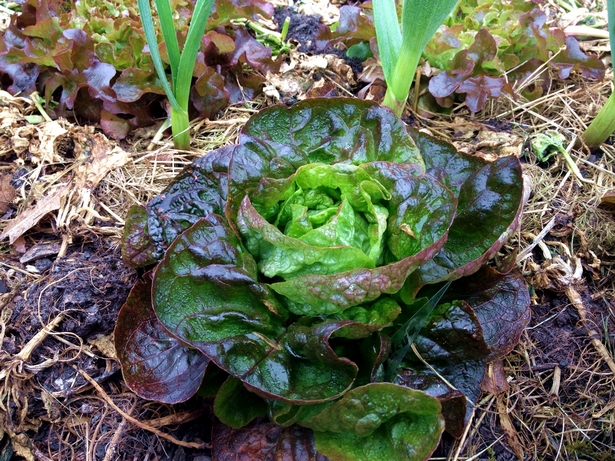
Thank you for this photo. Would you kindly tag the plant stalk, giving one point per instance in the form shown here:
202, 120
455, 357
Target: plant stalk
602, 126
393, 103
180, 127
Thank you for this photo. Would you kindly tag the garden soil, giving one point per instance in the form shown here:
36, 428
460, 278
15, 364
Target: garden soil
62, 281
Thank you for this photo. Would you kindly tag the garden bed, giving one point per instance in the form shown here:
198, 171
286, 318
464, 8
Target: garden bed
65, 190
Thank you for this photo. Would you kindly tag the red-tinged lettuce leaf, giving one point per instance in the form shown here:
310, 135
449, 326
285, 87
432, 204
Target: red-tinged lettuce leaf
197, 191
235, 406
114, 126
263, 440
205, 292
452, 343
491, 195
354, 27
137, 247
22, 76
330, 294
98, 48
133, 83
299, 366
478, 89
335, 130
573, 58
249, 51
465, 74
481, 319
155, 365
379, 421
457, 397
501, 303
226, 10
420, 209
209, 94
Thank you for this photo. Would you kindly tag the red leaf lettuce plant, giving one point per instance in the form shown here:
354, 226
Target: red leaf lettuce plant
310, 272
89, 59
484, 48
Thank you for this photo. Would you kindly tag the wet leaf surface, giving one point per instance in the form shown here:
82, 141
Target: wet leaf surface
265, 441
162, 368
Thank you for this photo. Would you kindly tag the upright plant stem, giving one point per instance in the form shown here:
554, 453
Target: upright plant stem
181, 63
602, 126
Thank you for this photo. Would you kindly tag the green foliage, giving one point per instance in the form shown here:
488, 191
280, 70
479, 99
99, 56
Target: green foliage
90, 60
401, 48
292, 261
181, 63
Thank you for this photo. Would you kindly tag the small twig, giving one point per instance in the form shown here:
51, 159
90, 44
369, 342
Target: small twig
176, 418
527, 251
575, 298
112, 447
135, 421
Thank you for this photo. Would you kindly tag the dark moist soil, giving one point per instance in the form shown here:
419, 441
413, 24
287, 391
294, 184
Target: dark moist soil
303, 29
48, 397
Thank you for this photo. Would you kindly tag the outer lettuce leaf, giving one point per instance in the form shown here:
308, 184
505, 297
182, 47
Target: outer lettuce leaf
197, 191
137, 247
206, 293
457, 401
263, 440
336, 130
501, 304
481, 318
156, 366
489, 210
377, 422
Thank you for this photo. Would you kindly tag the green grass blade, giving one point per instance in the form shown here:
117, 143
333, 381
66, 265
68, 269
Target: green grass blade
165, 16
201, 13
388, 35
150, 36
420, 21
403, 338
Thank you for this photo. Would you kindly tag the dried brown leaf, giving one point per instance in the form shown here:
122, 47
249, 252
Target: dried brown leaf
7, 193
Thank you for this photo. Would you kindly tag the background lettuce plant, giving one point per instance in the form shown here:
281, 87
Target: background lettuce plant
89, 59
290, 270
484, 48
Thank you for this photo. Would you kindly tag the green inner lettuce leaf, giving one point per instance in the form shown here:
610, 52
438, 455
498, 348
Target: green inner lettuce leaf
326, 219
379, 421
